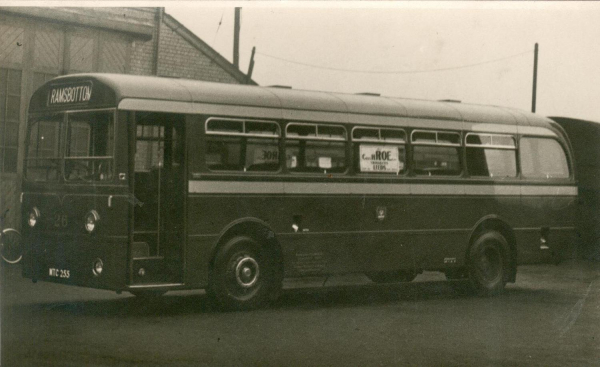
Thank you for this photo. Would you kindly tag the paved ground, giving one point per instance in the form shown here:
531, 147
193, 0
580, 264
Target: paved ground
550, 317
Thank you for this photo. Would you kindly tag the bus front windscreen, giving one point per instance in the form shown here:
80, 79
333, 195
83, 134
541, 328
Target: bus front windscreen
76, 147
89, 146
43, 157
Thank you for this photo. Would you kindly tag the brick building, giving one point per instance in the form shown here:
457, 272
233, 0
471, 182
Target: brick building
37, 44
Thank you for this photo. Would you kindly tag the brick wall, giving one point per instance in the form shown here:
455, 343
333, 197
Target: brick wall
141, 57
178, 58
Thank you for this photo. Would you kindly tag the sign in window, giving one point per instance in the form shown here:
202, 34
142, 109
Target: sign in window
381, 158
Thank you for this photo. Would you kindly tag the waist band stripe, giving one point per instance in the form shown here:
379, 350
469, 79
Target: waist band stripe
324, 188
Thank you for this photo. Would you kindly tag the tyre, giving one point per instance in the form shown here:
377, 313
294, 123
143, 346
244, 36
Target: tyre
243, 277
392, 276
11, 247
488, 263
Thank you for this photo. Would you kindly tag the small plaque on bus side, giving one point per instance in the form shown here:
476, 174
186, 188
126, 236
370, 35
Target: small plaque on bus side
381, 212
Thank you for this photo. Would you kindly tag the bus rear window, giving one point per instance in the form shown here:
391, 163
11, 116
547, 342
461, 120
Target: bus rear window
543, 158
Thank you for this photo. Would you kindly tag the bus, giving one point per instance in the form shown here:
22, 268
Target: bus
148, 184
585, 136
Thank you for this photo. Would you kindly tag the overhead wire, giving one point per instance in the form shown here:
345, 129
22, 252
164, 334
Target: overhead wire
396, 71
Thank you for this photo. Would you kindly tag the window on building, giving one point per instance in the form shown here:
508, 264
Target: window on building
10, 113
242, 145
543, 158
436, 153
315, 148
40, 78
490, 155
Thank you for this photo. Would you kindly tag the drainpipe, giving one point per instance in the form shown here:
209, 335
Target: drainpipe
159, 20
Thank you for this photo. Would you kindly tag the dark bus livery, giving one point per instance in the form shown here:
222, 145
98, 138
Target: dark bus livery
146, 184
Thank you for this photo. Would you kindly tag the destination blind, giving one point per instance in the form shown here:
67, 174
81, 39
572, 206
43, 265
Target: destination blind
70, 94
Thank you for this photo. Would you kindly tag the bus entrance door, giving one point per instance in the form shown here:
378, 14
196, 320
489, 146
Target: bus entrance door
158, 232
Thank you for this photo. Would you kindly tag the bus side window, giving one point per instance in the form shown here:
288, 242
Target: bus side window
315, 156
315, 148
223, 154
242, 145
491, 155
543, 158
436, 153
325, 156
262, 155
380, 151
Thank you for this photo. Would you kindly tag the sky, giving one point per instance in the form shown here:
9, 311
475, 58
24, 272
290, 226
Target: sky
476, 52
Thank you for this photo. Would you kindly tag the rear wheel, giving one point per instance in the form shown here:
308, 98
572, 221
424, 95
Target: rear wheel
11, 247
488, 263
243, 277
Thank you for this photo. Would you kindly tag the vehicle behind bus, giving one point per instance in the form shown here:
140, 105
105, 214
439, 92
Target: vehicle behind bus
146, 185
585, 136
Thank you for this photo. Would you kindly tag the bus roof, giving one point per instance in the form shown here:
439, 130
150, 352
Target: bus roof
133, 92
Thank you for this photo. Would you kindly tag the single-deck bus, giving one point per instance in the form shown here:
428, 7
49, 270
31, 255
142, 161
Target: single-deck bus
148, 184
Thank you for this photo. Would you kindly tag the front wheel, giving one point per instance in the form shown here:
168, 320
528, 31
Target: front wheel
488, 263
11, 247
243, 277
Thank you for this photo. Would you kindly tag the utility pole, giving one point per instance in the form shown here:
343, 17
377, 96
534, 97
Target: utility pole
535, 63
236, 38
250, 66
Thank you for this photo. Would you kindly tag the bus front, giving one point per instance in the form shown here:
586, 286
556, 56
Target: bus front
75, 205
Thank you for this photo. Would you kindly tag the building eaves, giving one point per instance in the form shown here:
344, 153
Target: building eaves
201, 46
62, 15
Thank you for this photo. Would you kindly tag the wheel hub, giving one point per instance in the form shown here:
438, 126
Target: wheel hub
246, 272
490, 264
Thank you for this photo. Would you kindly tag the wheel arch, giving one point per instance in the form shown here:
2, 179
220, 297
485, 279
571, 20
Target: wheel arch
258, 230
496, 223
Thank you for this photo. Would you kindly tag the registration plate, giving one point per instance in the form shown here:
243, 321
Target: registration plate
59, 273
